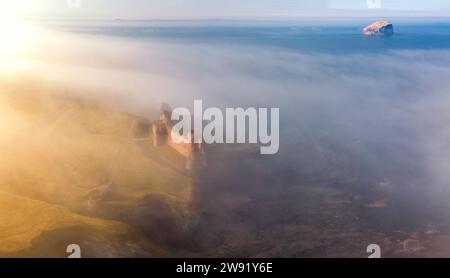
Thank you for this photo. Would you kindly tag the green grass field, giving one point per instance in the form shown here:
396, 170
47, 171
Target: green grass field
70, 169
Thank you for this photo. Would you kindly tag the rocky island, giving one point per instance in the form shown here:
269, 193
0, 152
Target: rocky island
379, 28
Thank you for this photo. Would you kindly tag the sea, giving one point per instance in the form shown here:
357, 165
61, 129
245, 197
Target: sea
364, 129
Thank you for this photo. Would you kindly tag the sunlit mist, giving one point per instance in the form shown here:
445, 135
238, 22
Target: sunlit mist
86, 157
17, 35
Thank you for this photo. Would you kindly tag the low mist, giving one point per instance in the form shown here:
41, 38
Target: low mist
362, 122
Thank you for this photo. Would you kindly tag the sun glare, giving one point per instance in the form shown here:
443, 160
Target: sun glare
16, 34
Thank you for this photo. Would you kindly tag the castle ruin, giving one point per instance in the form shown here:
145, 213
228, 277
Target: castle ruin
194, 153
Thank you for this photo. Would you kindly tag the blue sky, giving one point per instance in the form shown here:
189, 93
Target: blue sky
180, 9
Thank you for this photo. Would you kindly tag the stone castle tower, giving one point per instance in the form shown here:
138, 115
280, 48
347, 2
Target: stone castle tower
194, 153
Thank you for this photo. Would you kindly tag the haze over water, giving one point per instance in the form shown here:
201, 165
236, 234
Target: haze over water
364, 121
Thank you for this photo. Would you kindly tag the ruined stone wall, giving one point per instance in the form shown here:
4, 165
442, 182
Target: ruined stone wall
162, 135
184, 149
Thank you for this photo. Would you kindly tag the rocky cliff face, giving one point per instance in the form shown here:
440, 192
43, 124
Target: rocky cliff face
383, 28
